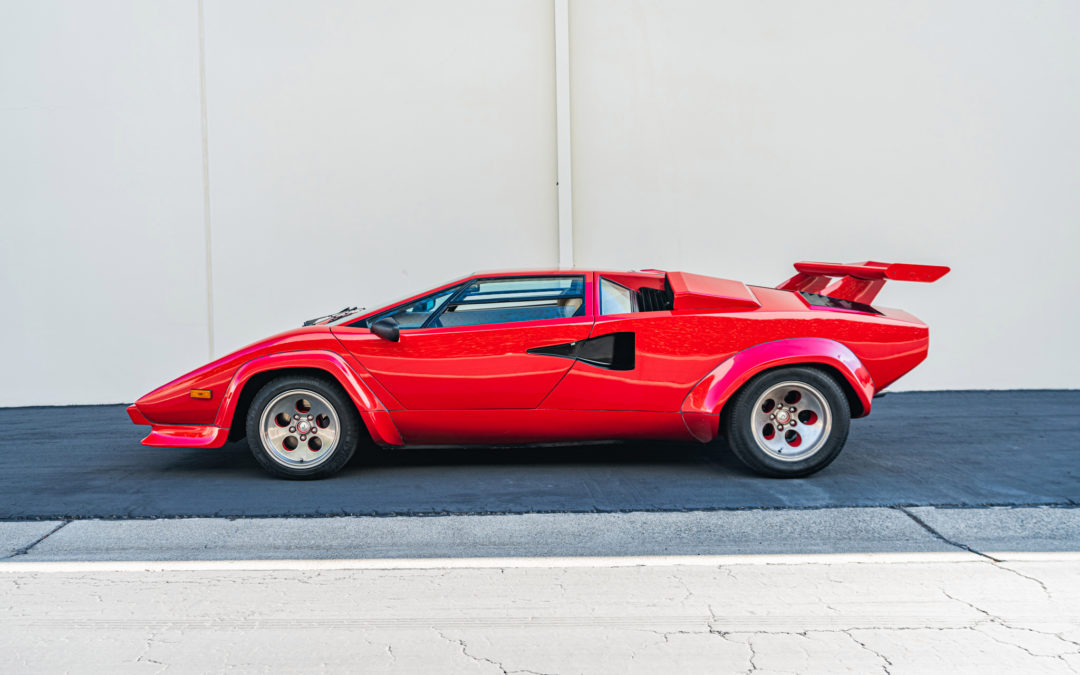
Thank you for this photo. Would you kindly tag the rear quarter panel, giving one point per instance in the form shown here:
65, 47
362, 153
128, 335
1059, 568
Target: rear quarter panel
676, 350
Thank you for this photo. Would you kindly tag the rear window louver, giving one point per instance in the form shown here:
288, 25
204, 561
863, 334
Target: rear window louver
818, 300
655, 300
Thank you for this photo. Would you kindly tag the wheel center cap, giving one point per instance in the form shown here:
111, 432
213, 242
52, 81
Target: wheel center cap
782, 416
303, 427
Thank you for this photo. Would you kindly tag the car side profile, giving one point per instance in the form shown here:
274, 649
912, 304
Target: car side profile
557, 355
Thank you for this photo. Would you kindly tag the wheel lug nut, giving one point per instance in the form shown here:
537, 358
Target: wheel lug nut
311, 417
773, 416
303, 438
296, 417
313, 431
292, 430
791, 409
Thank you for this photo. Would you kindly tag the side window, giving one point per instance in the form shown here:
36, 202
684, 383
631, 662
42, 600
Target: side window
509, 300
415, 314
616, 298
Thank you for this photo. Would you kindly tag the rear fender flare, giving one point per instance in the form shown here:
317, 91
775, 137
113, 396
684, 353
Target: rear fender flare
372, 411
714, 390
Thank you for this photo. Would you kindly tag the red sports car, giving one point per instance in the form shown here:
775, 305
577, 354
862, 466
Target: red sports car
541, 356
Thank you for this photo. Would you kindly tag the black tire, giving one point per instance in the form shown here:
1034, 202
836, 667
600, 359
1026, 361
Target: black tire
740, 428
348, 427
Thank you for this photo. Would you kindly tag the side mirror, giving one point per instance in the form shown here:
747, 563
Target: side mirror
387, 329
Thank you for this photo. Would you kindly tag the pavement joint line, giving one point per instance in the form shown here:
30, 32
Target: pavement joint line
518, 562
926, 526
1065, 505
26, 549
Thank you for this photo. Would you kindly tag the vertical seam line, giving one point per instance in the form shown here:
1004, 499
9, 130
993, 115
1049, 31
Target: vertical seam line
563, 135
206, 183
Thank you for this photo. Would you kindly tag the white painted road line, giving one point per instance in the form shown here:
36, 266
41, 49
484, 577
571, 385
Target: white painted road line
506, 563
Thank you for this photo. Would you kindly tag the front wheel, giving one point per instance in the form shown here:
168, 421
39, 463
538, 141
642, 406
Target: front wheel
302, 427
788, 422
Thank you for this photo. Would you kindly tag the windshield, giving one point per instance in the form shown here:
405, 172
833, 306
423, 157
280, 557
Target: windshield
343, 316
414, 314
374, 309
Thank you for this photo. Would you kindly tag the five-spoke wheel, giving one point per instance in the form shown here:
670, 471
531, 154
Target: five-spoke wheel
791, 421
299, 428
302, 427
788, 422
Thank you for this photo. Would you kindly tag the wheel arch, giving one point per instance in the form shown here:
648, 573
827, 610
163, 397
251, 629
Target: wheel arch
855, 402
715, 390
254, 374
257, 381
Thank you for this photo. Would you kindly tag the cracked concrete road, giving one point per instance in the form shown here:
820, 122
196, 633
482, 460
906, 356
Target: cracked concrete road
922, 613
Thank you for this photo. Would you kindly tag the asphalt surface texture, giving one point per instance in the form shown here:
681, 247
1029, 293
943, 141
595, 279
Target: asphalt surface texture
955, 449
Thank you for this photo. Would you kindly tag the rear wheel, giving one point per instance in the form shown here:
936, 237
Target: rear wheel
302, 427
788, 422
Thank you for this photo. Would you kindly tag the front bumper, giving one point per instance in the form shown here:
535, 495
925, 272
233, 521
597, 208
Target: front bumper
179, 435
136, 415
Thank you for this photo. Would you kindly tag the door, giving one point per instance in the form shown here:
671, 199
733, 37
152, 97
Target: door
467, 348
671, 353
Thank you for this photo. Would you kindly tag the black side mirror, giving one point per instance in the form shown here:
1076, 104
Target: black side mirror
387, 329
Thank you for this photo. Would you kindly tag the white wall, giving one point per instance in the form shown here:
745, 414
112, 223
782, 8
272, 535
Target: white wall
103, 282
356, 152
736, 137
359, 150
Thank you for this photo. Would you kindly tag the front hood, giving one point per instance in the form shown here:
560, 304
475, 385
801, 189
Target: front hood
172, 403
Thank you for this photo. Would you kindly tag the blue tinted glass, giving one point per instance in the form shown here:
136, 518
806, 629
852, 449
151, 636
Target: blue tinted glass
510, 300
508, 289
415, 314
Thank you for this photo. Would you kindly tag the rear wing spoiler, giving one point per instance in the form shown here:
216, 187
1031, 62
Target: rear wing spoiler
857, 282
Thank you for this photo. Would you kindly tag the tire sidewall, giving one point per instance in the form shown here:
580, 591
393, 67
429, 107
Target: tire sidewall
739, 429
346, 414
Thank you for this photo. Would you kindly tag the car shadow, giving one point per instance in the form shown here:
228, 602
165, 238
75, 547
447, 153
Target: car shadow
236, 456
615, 452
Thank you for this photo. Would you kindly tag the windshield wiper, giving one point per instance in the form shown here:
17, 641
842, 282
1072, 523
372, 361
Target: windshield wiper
331, 317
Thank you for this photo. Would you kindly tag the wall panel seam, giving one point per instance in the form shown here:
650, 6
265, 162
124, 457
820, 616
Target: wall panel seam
206, 183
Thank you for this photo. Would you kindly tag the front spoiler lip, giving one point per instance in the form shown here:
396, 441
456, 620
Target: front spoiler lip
179, 435
186, 436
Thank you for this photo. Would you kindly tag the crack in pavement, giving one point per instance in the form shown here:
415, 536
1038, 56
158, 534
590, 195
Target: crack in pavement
886, 663
480, 659
753, 653
1046, 591
26, 549
994, 618
999, 564
933, 532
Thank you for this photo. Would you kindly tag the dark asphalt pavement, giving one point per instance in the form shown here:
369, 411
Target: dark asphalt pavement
916, 449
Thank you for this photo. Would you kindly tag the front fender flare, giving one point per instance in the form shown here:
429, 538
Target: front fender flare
374, 414
713, 391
